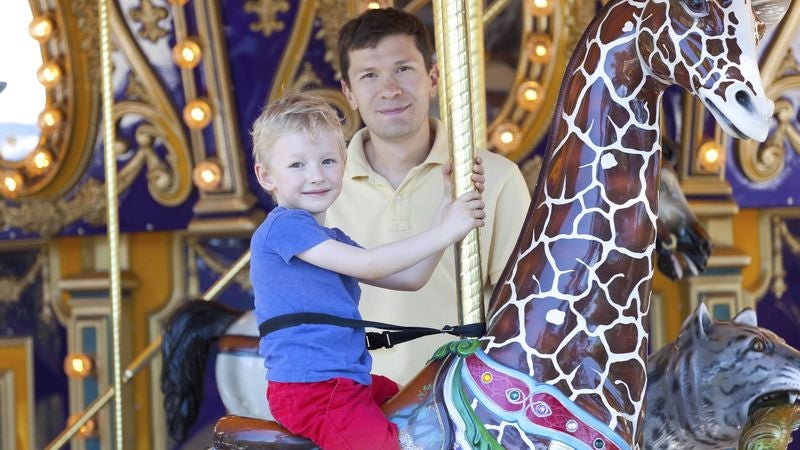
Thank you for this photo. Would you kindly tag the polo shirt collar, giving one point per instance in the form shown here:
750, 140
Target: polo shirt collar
358, 166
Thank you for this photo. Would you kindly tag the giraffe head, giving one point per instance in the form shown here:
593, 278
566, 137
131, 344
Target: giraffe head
709, 48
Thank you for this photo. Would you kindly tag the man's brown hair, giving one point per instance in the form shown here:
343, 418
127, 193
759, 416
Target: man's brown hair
367, 30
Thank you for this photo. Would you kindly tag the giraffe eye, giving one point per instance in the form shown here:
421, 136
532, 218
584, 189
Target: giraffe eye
697, 8
758, 345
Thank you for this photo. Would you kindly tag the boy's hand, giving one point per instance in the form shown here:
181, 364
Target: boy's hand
463, 215
477, 177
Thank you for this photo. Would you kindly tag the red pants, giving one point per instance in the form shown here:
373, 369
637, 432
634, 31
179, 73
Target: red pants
337, 414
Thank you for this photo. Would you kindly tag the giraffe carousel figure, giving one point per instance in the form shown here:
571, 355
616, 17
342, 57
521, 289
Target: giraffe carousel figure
563, 362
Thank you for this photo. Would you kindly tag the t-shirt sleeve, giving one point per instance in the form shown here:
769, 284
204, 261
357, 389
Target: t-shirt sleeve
294, 232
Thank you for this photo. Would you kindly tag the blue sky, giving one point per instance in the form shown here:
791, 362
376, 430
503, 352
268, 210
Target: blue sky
24, 98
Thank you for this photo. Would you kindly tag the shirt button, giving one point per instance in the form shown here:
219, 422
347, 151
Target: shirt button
400, 197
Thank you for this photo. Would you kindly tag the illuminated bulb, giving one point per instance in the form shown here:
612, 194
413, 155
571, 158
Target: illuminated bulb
187, 54
49, 74
11, 184
207, 175
710, 156
40, 28
87, 429
178, 2
197, 114
78, 365
541, 7
538, 48
373, 5
38, 162
49, 118
505, 137
529, 95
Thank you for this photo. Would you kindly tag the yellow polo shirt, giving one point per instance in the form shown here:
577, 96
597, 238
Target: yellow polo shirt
372, 212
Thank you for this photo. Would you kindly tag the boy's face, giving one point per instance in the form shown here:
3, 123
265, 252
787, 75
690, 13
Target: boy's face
390, 87
302, 173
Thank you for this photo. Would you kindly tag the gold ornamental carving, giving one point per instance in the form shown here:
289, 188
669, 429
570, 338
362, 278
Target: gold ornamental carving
333, 14
267, 12
11, 288
48, 217
149, 15
765, 161
779, 71
781, 236
218, 267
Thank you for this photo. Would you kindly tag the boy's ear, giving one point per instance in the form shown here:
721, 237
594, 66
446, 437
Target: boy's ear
348, 94
264, 177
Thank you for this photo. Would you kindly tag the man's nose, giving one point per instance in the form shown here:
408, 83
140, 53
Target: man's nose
390, 87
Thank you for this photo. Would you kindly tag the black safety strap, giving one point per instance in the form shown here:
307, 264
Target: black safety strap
394, 334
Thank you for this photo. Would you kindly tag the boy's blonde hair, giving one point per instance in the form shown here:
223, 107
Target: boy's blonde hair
295, 112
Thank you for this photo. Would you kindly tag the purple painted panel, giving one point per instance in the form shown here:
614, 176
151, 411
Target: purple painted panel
782, 314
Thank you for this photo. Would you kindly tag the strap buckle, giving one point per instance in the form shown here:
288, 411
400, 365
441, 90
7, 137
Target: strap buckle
377, 340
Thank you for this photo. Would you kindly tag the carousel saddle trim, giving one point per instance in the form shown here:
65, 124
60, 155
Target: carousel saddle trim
512, 396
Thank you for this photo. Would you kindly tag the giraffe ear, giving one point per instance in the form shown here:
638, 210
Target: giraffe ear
746, 317
770, 12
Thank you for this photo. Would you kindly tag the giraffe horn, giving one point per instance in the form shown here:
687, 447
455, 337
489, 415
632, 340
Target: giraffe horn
770, 11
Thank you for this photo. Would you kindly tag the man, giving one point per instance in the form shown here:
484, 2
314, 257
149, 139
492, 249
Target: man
392, 180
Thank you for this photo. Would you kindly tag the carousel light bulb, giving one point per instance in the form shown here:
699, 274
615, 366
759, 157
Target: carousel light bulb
505, 137
529, 95
86, 430
40, 28
11, 184
541, 7
207, 175
49, 74
710, 156
78, 365
49, 118
538, 47
187, 54
197, 114
178, 2
38, 162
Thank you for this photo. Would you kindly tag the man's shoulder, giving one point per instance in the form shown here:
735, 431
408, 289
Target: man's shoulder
503, 170
491, 159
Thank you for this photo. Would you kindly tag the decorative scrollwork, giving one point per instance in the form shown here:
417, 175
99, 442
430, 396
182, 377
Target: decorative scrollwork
267, 12
48, 217
149, 16
167, 178
764, 162
333, 15
11, 288
780, 236
217, 266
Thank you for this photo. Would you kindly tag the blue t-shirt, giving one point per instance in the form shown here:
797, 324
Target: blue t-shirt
286, 284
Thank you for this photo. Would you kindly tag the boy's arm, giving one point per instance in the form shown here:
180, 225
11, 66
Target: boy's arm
406, 264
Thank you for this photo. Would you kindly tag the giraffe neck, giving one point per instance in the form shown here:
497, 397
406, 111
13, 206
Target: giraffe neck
571, 307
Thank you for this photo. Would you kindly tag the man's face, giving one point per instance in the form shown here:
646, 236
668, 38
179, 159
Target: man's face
390, 87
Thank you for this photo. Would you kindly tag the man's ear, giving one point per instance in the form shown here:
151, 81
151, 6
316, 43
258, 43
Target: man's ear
434, 76
264, 178
348, 94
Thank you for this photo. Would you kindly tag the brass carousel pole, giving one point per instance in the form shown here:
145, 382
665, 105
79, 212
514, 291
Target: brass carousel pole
112, 214
459, 48
144, 357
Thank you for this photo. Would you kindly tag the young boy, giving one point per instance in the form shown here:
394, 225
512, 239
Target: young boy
319, 377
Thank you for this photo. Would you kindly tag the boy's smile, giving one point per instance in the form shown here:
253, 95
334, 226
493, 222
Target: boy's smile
304, 172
